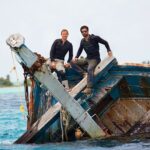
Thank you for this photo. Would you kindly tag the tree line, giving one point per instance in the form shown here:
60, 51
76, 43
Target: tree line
5, 81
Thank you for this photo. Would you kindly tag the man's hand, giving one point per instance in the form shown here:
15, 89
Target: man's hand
75, 60
67, 65
110, 53
53, 65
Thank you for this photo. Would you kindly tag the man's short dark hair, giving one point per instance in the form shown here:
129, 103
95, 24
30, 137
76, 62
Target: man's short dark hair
64, 30
84, 27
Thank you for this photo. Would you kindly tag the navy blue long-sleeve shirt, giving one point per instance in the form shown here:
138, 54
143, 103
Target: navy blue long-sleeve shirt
91, 47
60, 49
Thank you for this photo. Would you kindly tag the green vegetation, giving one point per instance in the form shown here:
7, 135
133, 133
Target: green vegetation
4, 82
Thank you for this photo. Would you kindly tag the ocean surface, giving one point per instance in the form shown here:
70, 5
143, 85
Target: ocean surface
13, 125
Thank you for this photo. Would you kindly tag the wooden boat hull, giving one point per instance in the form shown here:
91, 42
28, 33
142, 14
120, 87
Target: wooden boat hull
119, 105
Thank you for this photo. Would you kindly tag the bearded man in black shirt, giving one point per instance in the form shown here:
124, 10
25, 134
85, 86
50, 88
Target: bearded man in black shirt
90, 43
58, 51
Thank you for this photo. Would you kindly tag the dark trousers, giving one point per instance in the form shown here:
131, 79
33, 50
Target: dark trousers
61, 75
91, 65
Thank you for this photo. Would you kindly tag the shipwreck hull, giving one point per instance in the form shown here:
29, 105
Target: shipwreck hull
125, 110
119, 105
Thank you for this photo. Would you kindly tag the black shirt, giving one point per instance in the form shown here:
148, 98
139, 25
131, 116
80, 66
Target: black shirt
60, 49
91, 47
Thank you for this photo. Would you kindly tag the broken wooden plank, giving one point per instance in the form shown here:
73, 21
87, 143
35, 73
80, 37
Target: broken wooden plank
106, 87
47, 119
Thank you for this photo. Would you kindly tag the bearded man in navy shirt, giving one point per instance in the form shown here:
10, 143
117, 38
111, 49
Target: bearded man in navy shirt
90, 44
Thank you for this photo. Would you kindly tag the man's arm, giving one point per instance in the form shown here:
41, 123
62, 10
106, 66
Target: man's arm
70, 53
79, 50
102, 41
52, 51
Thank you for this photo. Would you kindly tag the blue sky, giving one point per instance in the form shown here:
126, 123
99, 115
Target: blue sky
125, 24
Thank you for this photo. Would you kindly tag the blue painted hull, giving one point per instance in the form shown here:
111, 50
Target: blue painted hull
117, 88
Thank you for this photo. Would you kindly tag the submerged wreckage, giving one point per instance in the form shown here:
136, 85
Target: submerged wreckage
119, 105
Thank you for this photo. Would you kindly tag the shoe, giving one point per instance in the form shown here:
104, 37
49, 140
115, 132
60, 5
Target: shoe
88, 91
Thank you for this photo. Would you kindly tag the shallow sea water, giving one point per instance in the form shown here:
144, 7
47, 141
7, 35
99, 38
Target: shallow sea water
13, 125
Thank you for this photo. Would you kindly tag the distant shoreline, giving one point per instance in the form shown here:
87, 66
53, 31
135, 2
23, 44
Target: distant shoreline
13, 86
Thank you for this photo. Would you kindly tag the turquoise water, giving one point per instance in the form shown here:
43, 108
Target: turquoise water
13, 125
12, 121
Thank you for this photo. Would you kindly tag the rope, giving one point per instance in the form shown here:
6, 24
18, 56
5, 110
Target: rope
61, 124
22, 110
31, 103
64, 120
